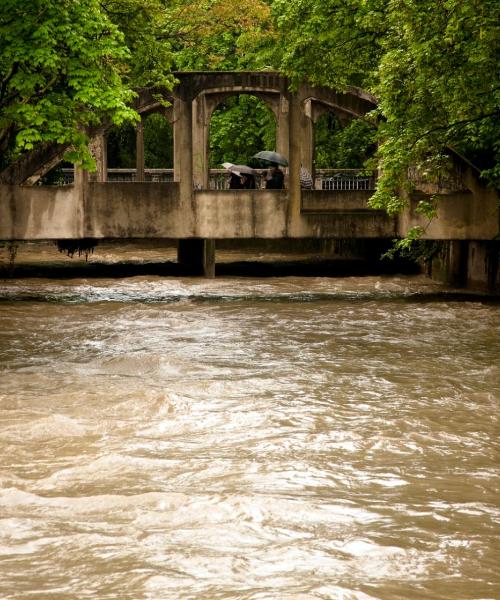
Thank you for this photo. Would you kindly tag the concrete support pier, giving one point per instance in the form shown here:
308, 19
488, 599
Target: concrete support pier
197, 256
470, 264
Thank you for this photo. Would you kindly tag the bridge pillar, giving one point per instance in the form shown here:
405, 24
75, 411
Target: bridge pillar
451, 265
201, 127
183, 148
99, 150
294, 158
197, 256
458, 251
282, 126
139, 151
307, 136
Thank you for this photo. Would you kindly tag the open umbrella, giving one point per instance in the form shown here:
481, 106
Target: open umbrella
272, 157
238, 169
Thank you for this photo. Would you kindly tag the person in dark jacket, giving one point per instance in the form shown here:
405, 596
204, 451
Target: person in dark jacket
248, 181
275, 178
235, 182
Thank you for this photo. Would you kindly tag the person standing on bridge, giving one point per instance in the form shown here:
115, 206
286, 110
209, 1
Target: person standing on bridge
306, 180
275, 179
248, 181
235, 182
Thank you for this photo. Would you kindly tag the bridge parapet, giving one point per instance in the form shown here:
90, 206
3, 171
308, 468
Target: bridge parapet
157, 210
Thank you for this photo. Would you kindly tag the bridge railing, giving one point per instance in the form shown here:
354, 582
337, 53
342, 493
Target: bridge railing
345, 179
324, 179
126, 175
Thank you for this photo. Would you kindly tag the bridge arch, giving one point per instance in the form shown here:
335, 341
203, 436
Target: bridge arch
194, 98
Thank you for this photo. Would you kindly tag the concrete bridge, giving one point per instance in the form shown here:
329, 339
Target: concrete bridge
188, 210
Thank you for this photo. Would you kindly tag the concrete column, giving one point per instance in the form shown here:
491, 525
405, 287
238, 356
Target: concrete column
294, 158
139, 151
451, 265
183, 148
80, 184
282, 126
197, 256
201, 124
458, 255
99, 148
483, 270
307, 136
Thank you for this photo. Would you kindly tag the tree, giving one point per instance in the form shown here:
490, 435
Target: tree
68, 68
343, 147
61, 69
217, 34
432, 65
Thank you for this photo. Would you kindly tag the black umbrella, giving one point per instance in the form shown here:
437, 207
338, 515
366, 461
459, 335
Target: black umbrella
271, 157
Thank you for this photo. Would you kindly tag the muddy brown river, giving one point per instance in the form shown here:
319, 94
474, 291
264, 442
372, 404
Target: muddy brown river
167, 438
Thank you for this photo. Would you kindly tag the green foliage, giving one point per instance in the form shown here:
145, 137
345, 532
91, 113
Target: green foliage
329, 42
61, 68
121, 147
438, 85
217, 34
346, 147
67, 66
158, 144
432, 65
414, 248
145, 25
239, 128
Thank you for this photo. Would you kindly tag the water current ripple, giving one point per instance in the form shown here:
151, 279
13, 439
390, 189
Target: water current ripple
248, 440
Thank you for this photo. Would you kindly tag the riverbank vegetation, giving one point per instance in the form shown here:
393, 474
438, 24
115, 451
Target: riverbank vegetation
68, 67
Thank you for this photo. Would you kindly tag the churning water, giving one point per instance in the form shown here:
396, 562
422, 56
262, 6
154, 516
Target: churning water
293, 438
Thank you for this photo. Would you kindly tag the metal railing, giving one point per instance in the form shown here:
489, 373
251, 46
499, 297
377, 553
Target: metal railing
345, 179
127, 175
324, 179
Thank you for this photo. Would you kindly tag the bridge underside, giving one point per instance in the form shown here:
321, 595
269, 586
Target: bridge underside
156, 211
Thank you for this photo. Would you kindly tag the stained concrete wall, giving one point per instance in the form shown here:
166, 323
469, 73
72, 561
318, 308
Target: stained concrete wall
36, 213
241, 214
335, 200
134, 210
145, 210
460, 216
468, 264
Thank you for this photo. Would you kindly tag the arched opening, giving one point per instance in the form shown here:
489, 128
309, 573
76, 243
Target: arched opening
158, 150
158, 142
341, 151
342, 145
121, 147
240, 126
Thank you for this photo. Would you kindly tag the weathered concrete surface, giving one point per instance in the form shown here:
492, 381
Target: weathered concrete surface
241, 214
483, 266
145, 210
134, 210
473, 265
329, 201
461, 216
349, 225
36, 213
